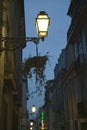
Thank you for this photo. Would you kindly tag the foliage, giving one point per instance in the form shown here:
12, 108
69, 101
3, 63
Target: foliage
36, 66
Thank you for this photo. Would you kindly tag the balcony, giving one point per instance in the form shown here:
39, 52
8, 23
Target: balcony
9, 77
82, 109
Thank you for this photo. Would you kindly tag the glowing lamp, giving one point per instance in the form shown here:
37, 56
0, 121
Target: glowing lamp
33, 109
42, 24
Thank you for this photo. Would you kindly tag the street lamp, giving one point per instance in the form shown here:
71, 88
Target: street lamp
31, 128
31, 120
33, 109
31, 123
42, 24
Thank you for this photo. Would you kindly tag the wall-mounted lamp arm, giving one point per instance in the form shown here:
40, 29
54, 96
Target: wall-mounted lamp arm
12, 43
26, 39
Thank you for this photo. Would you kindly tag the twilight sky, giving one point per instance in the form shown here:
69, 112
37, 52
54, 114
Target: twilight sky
54, 42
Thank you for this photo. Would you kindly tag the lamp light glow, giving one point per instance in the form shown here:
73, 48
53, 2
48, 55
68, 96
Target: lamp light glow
42, 24
33, 108
31, 128
31, 123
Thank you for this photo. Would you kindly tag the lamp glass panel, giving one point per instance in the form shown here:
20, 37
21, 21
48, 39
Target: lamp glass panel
43, 24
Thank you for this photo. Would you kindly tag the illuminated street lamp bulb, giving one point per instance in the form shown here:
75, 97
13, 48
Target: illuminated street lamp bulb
31, 128
31, 123
42, 24
33, 109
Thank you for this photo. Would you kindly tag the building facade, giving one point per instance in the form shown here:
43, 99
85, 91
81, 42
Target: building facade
75, 84
72, 82
12, 24
58, 95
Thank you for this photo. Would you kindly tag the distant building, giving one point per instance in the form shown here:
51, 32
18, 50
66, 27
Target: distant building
58, 95
48, 106
38, 118
25, 114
